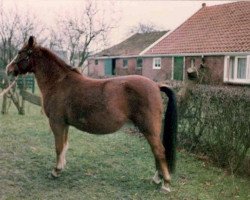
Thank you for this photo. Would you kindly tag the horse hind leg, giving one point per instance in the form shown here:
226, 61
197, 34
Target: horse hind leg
158, 175
161, 164
151, 129
60, 132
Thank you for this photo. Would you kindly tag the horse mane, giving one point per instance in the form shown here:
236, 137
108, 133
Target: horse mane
49, 54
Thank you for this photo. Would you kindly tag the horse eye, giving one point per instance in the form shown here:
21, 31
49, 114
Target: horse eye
19, 52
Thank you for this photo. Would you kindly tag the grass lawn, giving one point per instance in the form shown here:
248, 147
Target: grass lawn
115, 166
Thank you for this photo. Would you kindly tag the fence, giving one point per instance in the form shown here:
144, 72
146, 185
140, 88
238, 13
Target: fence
24, 83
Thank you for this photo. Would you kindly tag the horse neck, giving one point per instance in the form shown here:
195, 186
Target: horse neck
48, 73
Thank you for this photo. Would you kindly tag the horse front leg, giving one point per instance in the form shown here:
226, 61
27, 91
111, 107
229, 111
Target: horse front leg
60, 132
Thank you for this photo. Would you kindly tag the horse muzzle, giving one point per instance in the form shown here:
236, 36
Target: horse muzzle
12, 69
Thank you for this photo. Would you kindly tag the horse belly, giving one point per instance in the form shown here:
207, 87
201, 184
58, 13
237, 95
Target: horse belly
99, 125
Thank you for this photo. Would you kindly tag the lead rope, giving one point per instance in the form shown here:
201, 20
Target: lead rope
8, 88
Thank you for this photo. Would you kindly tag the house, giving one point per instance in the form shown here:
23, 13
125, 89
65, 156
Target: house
123, 58
215, 39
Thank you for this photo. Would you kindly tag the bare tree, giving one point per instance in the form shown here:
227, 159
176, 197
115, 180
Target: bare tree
143, 28
15, 28
80, 35
7, 35
55, 40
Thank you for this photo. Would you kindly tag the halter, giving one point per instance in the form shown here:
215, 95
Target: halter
25, 58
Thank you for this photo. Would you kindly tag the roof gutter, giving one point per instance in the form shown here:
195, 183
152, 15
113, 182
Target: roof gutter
114, 57
170, 55
198, 54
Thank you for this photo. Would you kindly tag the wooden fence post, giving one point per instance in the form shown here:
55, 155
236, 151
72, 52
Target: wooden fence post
5, 100
4, 105
13, 96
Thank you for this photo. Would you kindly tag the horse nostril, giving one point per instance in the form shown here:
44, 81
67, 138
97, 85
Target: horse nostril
9, 70
9, 73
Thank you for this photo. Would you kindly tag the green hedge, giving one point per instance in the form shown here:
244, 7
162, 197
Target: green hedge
215, 121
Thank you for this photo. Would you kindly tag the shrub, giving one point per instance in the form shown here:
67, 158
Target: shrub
215, 121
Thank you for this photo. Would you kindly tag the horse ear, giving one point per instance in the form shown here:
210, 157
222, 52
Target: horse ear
32, 41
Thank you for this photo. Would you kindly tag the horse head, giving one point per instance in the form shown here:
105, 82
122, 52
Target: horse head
23, 61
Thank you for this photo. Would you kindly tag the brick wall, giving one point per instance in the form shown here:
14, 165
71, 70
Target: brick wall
213, 71
96, 70
157, 74
216, 68
130, 69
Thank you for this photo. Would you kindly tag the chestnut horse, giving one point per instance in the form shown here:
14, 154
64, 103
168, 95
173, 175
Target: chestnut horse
100, 106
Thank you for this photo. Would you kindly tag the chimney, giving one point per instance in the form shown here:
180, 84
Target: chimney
203, 5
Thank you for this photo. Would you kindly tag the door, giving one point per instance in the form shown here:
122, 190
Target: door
178, 68
113, 67
108, 67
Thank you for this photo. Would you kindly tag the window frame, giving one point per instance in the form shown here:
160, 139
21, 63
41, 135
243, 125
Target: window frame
232, 78
236, 64
124, 66
154, 63
137, 63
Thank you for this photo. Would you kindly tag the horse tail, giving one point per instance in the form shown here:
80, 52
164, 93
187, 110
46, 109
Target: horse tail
170, 128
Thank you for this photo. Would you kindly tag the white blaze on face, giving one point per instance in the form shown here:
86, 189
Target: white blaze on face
11, 62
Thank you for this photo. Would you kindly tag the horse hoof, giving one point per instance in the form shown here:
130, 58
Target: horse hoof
55, 173
165, 189
156, 179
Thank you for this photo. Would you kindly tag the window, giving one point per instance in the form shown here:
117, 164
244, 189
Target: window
237, 69
157, 63
96, 62
231, 68
139, 62
241, 68
125, 63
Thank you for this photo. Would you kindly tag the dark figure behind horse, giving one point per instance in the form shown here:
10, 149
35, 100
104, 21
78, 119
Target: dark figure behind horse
100, 106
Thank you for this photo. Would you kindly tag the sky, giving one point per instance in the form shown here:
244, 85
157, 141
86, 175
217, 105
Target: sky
127, 13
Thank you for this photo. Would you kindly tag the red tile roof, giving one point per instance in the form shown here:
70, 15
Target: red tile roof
133, 45
212, 29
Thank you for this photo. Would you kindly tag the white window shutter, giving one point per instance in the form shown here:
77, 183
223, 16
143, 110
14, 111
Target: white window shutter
248, 67
226, 69
153, 66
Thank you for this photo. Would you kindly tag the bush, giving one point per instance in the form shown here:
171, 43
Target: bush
215, 121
